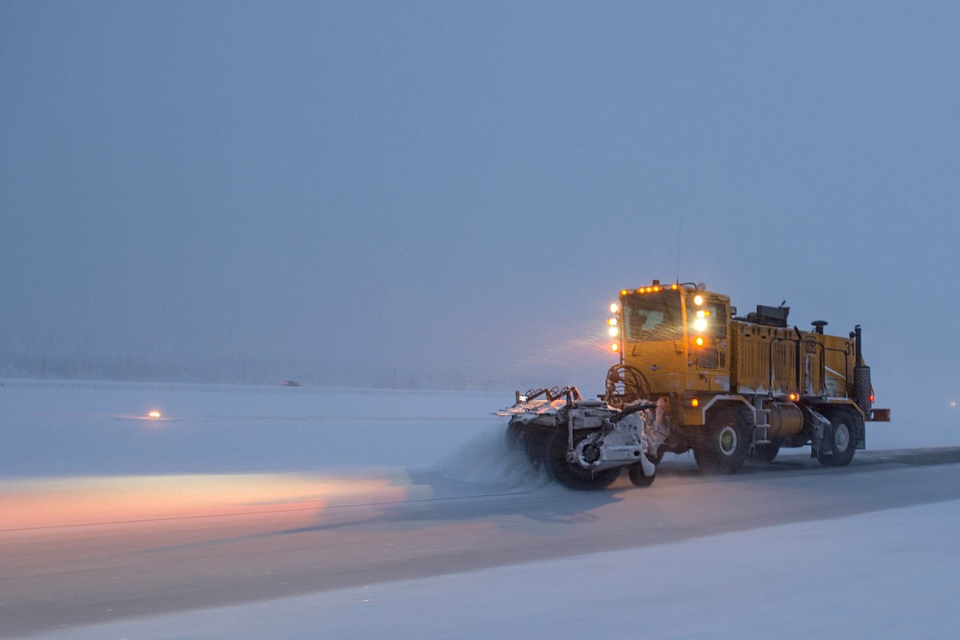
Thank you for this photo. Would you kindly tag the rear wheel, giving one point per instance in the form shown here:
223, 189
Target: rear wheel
723, 443
840, 441
571, 474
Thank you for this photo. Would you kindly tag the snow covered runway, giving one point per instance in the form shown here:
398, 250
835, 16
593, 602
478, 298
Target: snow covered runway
452, 536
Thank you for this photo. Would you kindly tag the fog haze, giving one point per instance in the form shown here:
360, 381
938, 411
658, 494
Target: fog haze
449, 194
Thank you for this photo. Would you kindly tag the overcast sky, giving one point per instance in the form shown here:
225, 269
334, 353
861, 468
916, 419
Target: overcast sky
464, 186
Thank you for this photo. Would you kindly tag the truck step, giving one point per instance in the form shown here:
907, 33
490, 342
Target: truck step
763, 418
762, 434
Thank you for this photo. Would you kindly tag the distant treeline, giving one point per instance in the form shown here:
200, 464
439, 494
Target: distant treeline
56, 362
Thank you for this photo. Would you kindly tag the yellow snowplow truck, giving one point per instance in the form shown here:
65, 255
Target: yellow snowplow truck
693, 375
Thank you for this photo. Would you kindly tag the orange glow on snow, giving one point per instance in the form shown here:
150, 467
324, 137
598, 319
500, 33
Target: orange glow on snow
60, 502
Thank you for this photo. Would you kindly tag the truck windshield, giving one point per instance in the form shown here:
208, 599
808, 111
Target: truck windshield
652, 316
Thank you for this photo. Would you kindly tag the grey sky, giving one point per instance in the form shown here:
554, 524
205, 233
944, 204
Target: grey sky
459, 188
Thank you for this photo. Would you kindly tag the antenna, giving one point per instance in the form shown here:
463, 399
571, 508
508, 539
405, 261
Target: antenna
679, 242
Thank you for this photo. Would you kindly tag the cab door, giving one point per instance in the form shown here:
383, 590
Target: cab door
707, 326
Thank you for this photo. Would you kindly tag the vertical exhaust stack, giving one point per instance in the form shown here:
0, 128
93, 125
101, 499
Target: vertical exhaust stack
862, 387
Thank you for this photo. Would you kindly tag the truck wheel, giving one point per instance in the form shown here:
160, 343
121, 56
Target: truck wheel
723, 443
637, 477
841, 438
572, 475
766, 452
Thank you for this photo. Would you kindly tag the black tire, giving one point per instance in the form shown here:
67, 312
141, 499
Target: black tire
723, 442
638, 478
841, 438
766, 452
572, 475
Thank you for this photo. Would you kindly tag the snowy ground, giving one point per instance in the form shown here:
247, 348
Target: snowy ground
892, 574
880, 574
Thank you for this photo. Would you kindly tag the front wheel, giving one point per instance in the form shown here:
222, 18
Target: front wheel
840, 439
638, 478
723, 443
571, 474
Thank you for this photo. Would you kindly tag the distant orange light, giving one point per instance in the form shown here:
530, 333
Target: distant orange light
793, 397
615, 347
872, 398
674, 286
154, 415
624, 292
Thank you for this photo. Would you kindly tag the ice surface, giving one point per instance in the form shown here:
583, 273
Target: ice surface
888, 574
79, 428
878, 575
75, 428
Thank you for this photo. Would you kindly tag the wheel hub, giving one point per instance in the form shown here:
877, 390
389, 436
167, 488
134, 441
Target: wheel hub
728, 440
841, 438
